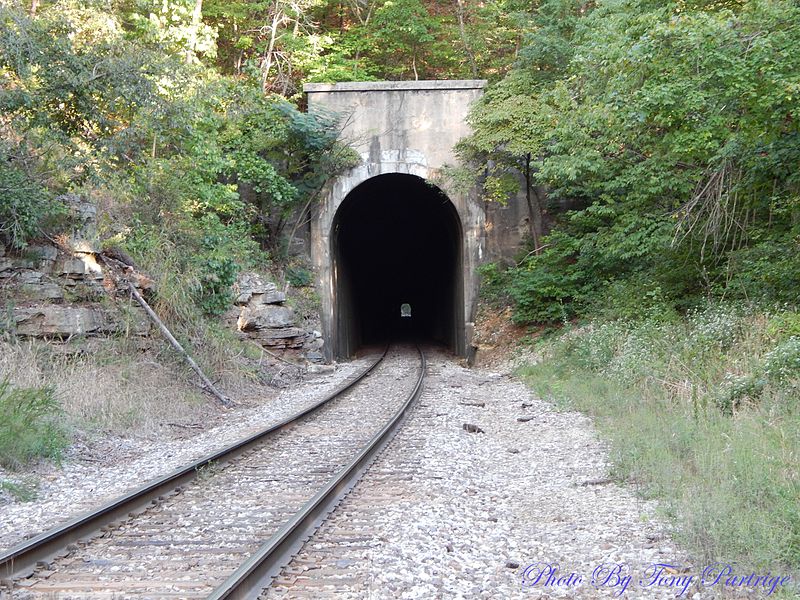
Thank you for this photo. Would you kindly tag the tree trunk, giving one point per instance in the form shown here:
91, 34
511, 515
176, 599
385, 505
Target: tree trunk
463, 32
111, 262
266, 65
535, 220
364, 22
197, 14
197, 20
34, 7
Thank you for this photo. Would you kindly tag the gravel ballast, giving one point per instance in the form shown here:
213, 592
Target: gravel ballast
450, 511
127, 463
482, 488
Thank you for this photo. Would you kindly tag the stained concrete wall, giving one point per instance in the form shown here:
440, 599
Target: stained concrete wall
406, 127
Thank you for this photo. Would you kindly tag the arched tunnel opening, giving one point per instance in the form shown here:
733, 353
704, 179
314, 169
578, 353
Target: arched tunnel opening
396, 247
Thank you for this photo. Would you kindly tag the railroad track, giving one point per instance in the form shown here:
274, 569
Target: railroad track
224, 526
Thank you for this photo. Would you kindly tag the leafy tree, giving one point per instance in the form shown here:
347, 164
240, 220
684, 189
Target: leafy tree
672, 127
176, 26
279, 40
402, 32
512, 121
25, 203
200, 171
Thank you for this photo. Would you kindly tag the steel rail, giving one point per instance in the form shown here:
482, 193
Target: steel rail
255, 574
20, 560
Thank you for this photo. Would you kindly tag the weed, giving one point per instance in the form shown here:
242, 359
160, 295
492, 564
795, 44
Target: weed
784, 324
702, 415
106, 384
21, 491
208, 472
30, 425
306, 303
494, 283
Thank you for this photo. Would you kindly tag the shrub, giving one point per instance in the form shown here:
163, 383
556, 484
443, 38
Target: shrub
549, 287
717, 326
783, 325
779, 369
194, 263
24, 205
30, 425
299, 276
769, 271
782, 363
494, 284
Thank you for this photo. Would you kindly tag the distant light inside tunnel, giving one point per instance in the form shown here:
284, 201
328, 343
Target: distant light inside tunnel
405, 310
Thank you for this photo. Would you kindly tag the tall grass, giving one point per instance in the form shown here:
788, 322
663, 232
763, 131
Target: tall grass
105, 385
703, 414
31, 425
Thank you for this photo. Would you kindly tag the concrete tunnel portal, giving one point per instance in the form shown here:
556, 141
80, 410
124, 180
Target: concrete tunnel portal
396, 251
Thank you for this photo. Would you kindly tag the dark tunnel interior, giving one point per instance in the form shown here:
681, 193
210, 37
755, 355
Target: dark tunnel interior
397, 241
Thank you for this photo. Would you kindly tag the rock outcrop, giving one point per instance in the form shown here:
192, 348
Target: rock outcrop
265, 318
60, 321
52, 294
65, 291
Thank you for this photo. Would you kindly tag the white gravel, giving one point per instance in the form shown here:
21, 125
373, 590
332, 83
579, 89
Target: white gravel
79, 486
444, 513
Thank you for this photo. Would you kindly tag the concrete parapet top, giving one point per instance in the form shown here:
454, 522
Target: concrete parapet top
394, 86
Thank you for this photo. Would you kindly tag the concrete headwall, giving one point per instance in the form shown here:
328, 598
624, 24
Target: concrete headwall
407, 127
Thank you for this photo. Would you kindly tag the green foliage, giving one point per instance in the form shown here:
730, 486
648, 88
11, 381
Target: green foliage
286, 43
279, 157
768, 271
218, 271
194, 262
200, 173
671, 130
547, 287
782, 363
725, 475
299, 276
30, 425
784, 325
25, 206
130, 98
65, 75
172, 26
403, 30
493, 284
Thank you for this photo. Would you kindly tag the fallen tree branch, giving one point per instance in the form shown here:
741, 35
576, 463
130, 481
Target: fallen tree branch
224, 400
207, 385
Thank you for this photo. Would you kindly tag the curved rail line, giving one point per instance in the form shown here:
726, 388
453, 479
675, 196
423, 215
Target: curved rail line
21, 559
253, 573
256, 573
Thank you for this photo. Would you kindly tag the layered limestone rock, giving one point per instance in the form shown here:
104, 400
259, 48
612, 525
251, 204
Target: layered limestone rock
264, 318
65, 321
251, 290
61, 292
52, 294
